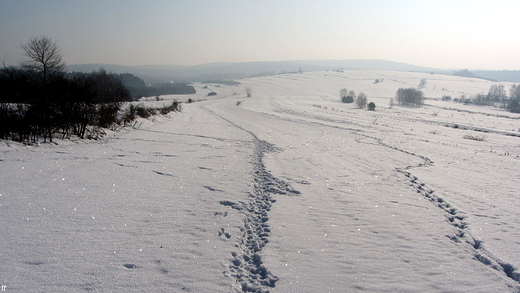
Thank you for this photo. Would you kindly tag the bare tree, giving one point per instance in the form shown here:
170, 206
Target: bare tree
343, 93
361, 100
514, 95
496, 92
514, 92
45, 59
3, 60
410, 96
422, 83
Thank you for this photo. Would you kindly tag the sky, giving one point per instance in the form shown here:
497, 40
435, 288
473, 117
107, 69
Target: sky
440, 34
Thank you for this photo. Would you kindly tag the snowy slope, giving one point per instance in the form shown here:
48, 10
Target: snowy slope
287, 191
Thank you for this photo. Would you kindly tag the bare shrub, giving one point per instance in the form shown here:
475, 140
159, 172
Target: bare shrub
174, 107
145, 112
107, 114
475, 137
129, 114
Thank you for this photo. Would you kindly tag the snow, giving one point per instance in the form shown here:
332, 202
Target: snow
289, 191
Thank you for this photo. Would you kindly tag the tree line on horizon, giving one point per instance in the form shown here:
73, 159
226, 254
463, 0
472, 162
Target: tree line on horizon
492, 75
138, 88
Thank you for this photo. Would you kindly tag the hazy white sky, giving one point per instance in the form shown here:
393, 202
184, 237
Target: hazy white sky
443, 34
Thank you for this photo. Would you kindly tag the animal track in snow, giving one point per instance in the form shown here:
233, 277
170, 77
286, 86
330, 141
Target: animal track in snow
452, 215
462, 234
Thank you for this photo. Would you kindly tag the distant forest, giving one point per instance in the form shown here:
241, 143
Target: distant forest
139, 89
493, 75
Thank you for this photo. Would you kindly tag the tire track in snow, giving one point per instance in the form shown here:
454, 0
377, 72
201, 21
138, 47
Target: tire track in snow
247, 266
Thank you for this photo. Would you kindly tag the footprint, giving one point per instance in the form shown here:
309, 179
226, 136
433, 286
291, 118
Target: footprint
231, 204
161, 173
223, 232
212, 189
220, 214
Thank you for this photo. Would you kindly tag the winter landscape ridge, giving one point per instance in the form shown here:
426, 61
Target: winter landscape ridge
288, 190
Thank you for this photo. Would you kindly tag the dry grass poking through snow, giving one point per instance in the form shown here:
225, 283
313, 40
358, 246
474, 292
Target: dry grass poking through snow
475, 137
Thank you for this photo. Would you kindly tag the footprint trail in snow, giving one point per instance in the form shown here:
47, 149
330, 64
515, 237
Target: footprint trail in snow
247, 266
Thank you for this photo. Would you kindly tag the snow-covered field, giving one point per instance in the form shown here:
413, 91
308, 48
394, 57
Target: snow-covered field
287, 191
